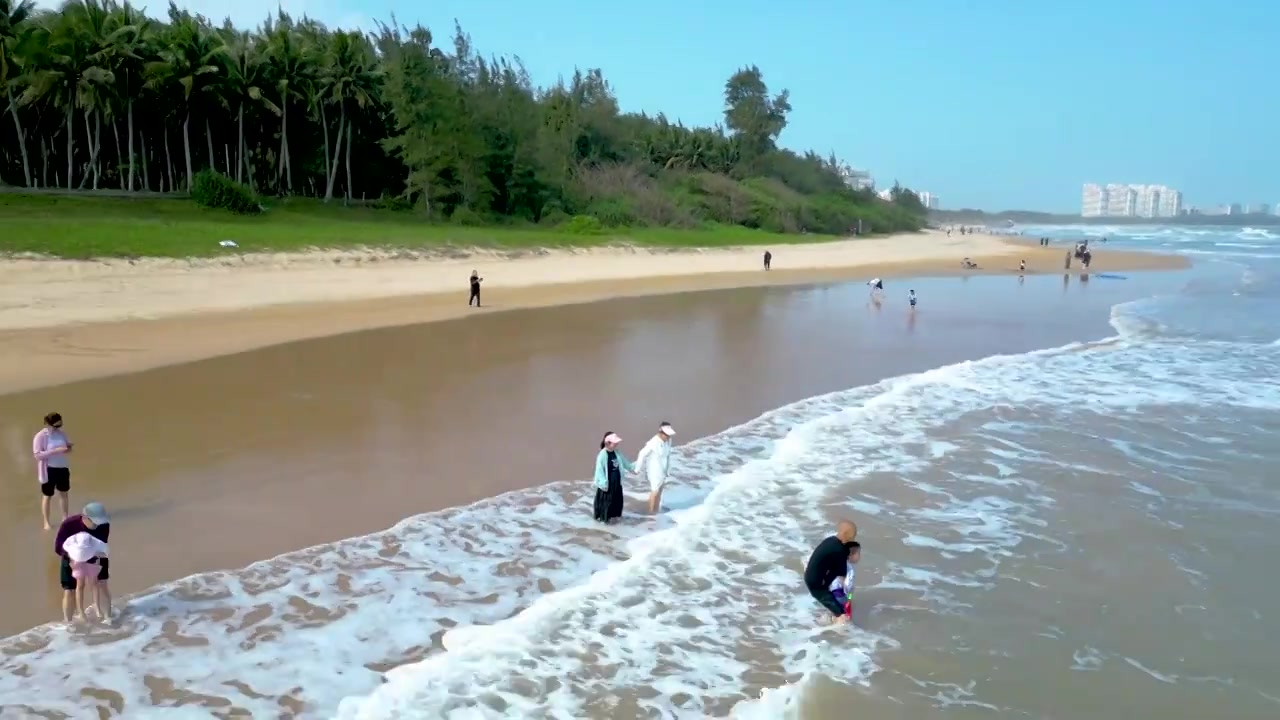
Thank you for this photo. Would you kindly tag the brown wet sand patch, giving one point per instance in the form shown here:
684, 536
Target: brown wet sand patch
119, 320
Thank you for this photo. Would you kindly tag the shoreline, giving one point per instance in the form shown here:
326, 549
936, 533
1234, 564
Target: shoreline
68, 321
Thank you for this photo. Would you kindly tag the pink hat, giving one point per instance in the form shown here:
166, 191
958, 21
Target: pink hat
613, 438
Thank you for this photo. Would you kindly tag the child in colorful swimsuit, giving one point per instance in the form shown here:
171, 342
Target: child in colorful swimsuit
842, 587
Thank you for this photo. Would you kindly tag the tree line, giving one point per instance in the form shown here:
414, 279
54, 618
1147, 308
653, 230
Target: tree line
97, 95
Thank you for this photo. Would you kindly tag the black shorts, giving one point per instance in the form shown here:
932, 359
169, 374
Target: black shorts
827, 600
68, 581
55, 479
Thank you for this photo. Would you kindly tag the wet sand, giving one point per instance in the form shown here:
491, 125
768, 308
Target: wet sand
222, 462
65, 321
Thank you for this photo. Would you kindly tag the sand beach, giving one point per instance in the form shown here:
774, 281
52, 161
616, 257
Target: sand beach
237, 412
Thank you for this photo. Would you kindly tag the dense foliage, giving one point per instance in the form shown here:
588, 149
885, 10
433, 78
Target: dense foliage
99, 96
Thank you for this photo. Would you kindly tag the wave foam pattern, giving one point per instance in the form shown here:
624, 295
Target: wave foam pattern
689, 617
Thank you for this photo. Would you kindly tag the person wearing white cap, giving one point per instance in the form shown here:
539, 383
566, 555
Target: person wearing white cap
83, 552
610, 463
654, 462
94, 521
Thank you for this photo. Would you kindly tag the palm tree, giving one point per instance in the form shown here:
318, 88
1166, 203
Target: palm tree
246, 75
13, 16
349, 78
62, 71
288, 63
125, 49
189, 60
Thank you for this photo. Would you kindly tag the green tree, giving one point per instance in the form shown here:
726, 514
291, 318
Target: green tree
754, 117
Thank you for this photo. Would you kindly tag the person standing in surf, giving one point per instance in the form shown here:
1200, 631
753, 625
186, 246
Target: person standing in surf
654, 462
50, 447
610, 463
475, 288
828, 562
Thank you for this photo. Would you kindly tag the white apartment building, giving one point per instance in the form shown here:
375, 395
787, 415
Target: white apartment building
1122, 200
929, 200
857, 179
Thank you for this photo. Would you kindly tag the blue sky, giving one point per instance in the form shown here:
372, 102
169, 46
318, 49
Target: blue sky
988, 103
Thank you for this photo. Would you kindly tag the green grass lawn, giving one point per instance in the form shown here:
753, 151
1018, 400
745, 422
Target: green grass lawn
84, 226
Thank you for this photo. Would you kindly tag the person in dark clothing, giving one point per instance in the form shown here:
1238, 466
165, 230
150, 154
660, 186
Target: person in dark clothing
475, 288
610, 462
827, 563
768, 259
95, 521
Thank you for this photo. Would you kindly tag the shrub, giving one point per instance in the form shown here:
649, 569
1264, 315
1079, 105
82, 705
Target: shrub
467, 217
583, 225
612, 212
212, 189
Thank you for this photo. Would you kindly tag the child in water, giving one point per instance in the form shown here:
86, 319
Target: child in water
83, 551
842, 587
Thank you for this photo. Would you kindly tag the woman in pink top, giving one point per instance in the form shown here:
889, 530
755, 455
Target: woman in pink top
51, 448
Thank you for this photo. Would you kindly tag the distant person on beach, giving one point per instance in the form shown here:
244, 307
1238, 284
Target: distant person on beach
911, 298
828, 562
1022, 267
50, 447
95, 521
877, 287
654, 462
610, 463
1068, 265
842, 587
768, 259
475, 288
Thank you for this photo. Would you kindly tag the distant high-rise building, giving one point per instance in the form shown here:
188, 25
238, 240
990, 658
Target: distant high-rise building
928, 199
1234, 209
1121, 200
1260, 209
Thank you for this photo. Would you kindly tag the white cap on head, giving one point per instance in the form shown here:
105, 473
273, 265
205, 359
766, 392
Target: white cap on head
83, 547
613, 438
666, 429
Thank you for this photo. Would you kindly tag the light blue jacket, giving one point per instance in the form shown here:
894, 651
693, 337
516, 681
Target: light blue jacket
602, 469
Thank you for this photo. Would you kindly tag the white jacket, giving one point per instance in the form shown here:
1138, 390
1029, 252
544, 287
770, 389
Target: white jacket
654, 461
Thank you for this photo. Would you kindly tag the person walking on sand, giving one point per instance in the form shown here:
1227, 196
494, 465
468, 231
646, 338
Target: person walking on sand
50, 447
1022, 267
827, 563
911, 298
95, 521
475, 288
768, 259
610, 464
654, 462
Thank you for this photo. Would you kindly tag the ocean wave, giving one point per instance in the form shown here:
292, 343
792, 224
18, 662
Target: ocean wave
692, 615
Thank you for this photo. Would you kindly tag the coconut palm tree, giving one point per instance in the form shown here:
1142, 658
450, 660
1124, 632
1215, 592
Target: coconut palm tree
13, 17
190, 58
62, 72
349, 78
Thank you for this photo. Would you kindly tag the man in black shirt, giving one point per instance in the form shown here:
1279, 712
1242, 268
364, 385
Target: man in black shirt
827, 563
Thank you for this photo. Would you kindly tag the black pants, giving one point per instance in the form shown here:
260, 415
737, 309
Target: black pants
827, 600
475, 297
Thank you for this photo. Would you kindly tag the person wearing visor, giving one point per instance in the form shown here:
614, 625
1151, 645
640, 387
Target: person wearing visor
610, 464
654, 462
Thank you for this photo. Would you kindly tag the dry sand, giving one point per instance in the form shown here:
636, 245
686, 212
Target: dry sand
62, 321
